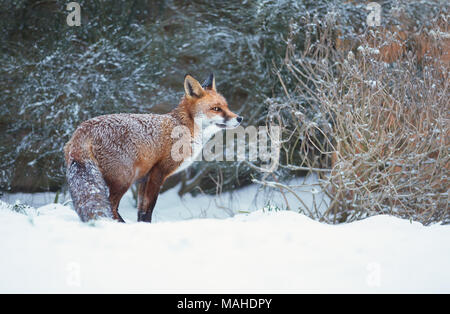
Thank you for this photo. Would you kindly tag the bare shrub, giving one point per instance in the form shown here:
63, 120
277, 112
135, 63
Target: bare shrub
372, 121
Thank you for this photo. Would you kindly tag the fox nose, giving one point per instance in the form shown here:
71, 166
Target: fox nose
239, 119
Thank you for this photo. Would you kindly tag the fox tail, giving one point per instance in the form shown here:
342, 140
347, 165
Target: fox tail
89, 192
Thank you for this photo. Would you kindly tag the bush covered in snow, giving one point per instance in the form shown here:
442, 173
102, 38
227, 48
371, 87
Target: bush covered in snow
371, 116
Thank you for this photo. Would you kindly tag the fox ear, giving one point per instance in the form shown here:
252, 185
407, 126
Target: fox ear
192, 87
210, 83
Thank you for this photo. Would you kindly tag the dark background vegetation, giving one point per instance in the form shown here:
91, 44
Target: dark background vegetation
131, 56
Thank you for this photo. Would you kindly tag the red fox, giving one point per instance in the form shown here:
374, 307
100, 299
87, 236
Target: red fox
108, 153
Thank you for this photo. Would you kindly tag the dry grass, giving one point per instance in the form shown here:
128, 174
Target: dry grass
373, 121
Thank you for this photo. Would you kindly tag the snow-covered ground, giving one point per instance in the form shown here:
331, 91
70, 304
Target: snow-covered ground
236, 248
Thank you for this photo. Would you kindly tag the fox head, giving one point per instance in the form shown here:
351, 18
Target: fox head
208, 108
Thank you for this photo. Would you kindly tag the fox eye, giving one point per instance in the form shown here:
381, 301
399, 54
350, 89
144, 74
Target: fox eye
216, 109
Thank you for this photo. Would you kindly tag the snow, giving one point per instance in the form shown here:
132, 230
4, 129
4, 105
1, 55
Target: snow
48, 249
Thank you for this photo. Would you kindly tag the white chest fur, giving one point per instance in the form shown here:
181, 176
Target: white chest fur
198, 142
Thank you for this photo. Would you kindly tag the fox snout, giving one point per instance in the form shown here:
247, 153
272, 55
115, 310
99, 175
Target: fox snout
233, 122
220, 121
224, 121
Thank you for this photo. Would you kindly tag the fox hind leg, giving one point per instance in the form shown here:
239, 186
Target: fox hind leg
148, 192
116, 194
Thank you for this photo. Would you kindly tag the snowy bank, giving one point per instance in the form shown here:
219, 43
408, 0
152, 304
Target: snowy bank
50, 250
